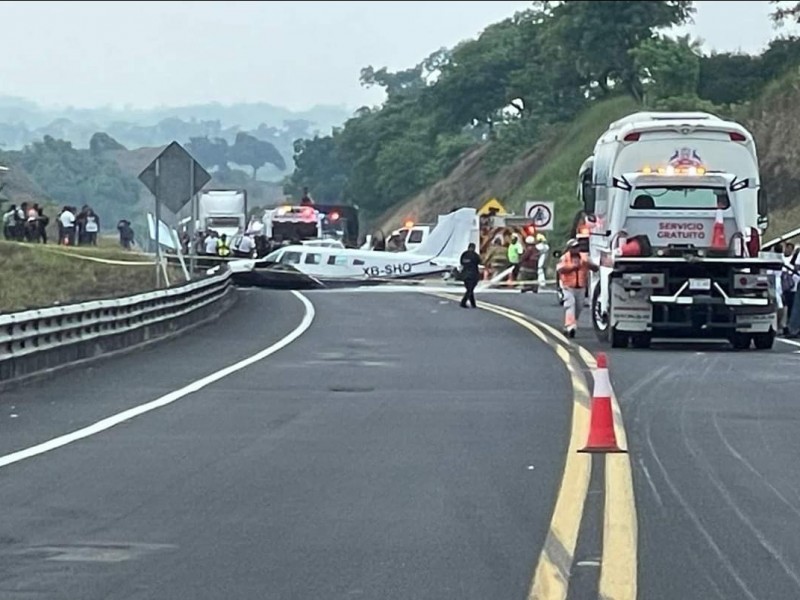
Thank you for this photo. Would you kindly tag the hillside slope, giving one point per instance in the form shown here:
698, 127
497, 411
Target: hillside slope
773, 119
18, 187
548, 170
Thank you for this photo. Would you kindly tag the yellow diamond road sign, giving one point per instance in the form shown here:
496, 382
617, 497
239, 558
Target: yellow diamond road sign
494, 203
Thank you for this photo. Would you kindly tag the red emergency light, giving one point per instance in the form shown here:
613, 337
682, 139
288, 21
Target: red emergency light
334, 216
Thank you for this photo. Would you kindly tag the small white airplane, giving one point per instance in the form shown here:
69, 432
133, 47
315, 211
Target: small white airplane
307, 267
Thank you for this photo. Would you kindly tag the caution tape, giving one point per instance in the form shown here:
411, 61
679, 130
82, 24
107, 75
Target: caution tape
97, 259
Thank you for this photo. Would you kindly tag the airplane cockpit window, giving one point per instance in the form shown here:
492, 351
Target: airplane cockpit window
290, 258
313, 259
415, 237
339, 261
357, 262
274, 256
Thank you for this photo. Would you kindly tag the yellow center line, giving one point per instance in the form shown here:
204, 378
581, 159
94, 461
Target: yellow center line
551, 576
618, 571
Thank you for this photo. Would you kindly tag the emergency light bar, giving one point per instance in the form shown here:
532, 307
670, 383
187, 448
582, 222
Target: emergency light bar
296, 211
670, 170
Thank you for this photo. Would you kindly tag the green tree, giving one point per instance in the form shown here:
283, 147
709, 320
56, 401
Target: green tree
781, 55
728, 78
102, 142
667, 67
319, 168
474, 83
209, 153
407, 82
784, 12
598, 37
79, 177
249, 150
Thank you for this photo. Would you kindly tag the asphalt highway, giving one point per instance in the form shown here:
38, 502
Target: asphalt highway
400, 447
713, 439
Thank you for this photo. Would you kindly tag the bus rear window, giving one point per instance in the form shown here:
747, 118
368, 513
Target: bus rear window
679, 198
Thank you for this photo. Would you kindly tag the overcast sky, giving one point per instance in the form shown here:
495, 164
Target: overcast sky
293, 54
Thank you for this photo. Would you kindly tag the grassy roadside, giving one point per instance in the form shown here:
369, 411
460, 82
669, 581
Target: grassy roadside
782, 221
35, 276
557, 179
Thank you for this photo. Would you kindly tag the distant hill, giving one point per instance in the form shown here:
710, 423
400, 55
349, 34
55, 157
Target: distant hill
243, 115
23, 122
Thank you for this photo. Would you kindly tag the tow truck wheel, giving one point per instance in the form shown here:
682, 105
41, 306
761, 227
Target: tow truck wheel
619, 339
599, 320
740, 341
764, 341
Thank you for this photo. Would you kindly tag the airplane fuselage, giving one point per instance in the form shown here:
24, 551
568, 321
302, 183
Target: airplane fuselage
322, 266
349, 264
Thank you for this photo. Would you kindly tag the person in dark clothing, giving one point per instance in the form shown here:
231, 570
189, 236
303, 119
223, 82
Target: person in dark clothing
125, 234
470, 269
306, 199
42, 221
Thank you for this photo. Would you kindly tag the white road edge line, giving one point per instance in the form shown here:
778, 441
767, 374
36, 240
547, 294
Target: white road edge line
126, 415
792, 342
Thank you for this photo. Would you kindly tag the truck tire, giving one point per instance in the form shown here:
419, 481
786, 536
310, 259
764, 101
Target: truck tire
764, 341
619, 339
740, 341
599, 322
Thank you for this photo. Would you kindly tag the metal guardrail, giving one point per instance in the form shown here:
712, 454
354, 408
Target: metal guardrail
40, 340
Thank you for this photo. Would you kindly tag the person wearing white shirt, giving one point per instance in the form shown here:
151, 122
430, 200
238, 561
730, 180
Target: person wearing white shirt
244, 247
544, 248
67, 220
211, 244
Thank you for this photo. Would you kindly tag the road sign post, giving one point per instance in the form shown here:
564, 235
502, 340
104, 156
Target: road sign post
541, 213
192, 225
158, 221
174, 177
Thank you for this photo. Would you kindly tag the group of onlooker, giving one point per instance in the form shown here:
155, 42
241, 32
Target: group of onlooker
78, 228
28, 223
25, 223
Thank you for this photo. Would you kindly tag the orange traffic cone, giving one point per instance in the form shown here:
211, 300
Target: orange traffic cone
601, 429
718, 241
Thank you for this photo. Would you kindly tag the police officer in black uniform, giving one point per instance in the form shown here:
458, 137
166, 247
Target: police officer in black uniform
470, 273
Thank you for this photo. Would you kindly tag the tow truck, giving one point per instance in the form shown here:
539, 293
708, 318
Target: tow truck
677, 243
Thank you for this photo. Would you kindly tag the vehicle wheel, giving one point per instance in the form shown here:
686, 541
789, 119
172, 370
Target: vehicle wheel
599, 320
764, 341
641, 341
740, 341
619, 339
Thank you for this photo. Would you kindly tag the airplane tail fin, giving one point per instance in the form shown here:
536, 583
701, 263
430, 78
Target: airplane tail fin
451, 235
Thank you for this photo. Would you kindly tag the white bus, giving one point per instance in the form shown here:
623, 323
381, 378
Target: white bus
664, 142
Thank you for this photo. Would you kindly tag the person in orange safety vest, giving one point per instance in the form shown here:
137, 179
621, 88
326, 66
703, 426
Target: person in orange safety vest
573, 275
